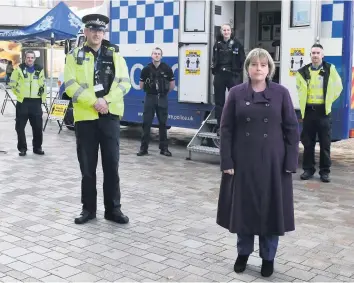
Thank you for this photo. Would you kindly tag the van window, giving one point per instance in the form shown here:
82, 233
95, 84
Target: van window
191, 22
300, 13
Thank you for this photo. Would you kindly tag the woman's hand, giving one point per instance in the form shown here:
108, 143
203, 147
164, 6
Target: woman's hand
229, 171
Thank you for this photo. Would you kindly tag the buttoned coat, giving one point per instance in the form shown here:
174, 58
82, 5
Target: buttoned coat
260, 140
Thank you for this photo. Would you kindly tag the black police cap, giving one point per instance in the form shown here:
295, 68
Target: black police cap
95, 21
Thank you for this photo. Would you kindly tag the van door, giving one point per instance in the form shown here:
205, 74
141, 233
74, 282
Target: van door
193, 51
299, 31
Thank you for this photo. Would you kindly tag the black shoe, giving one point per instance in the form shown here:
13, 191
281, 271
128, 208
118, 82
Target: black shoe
165, 152
325, 178
267, 268
142, 152
116, 216
306, 175
38, 151
240, 264
22, 153
84, 217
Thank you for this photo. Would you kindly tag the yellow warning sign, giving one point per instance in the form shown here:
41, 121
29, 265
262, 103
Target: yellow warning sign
58, 110
192, 63
296, 60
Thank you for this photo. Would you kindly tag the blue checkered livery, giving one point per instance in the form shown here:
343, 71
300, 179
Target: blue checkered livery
332, 19
141, 22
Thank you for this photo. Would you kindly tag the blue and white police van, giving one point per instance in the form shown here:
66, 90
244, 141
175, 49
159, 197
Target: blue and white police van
186, 31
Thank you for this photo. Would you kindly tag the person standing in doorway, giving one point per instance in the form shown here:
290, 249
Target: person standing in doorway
157, 80
28, 84
319, 85
227, 62
96, 78
9, 70
259, 152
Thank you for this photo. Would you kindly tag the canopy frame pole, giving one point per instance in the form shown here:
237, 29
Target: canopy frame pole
51, 67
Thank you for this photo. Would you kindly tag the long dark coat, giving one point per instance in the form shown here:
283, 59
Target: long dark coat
260, 141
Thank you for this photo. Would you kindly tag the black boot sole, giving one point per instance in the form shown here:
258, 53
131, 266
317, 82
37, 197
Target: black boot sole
80, 220
116, 219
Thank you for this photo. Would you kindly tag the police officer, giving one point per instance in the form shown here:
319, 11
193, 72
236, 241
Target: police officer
319, 85
28, 84
227, 64
96, 78
157, 80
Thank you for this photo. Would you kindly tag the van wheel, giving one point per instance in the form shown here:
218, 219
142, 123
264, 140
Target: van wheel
216, 142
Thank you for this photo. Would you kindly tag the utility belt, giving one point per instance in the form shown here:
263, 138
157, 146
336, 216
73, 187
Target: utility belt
227, 70
317, 109
27, 99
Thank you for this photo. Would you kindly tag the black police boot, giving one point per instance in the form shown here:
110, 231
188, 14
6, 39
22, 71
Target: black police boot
22, 153
165, 152
38, 151
267, 268
142, 152
84, 217
116, 216
325, 178
306, 175
241, 263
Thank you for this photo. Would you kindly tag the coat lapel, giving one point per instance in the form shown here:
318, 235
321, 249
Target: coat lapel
265, 97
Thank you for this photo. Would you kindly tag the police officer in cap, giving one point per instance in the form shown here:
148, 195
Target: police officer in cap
227, 64
96, 78
157, 80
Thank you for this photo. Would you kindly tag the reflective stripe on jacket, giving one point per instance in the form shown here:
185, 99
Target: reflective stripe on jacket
28, 87
332, 86
79, 85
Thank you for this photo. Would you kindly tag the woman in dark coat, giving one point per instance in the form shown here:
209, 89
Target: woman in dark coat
259, 151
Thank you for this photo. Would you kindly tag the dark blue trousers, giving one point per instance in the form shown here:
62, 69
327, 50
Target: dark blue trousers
268, 245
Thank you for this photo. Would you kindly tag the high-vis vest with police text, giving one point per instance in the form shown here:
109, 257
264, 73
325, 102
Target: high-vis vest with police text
27, 85
79, 85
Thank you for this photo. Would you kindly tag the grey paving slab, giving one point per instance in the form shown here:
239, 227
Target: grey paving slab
171, 202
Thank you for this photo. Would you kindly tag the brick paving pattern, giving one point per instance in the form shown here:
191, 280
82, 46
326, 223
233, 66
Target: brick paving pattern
171, 203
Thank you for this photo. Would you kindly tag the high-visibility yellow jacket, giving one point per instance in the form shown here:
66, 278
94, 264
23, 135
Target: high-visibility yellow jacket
332, 86
27, 85
79, 85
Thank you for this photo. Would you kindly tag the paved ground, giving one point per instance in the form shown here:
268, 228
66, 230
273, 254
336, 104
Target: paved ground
171, 202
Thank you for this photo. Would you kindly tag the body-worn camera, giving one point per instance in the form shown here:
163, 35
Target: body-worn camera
40, 91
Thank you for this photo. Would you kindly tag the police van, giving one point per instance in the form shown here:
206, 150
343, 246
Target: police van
186, 31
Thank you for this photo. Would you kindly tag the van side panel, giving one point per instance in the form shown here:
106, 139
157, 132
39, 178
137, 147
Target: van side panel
336, 38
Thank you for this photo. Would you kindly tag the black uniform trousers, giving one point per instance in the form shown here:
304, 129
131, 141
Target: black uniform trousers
316, 122
223, 80
90, 135
159, 105
29, 109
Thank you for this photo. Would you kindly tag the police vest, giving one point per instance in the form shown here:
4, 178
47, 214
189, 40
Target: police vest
234, 54
28, 85
79, 81
157, 82
104, 71
315, 90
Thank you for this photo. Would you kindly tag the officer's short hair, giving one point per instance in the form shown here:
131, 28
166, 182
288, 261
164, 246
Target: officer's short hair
317, 45
30, 51
259, 53
157, 48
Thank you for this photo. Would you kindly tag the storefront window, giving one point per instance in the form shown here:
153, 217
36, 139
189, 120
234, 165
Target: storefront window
23, 3
7, 3
300, 12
